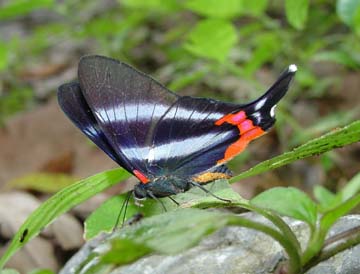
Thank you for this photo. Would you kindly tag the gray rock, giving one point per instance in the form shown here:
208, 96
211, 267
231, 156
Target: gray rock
230, 250
40, 252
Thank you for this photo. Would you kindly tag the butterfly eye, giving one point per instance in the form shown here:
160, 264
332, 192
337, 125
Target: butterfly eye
140, 193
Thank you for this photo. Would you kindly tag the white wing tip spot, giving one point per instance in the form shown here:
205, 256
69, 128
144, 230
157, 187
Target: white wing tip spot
272, 111
292, 68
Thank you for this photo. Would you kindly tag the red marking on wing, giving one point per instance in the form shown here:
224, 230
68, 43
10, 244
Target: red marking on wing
248, 132
233, 119
141, 176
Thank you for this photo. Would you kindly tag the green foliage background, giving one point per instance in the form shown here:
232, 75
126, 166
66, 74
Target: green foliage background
184, 42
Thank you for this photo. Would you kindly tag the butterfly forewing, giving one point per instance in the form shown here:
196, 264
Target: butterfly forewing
127, 105
73, 103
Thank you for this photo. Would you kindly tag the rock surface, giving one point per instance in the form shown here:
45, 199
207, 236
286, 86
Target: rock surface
230, 250
40, 252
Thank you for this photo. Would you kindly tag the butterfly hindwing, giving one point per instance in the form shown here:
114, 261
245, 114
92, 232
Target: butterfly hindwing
187, 141
198, 134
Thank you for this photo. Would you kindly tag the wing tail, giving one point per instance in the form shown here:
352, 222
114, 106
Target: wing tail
262, 110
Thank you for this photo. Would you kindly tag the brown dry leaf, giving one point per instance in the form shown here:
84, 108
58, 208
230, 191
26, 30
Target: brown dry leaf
42, 71
31, 140
62, 163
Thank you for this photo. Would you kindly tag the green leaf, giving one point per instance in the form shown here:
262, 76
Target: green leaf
306, 78
5, 52
333, 215
130, 251
152, 5
59, 204
187, 79
347, 10
255, 7
167, 233
338, 56
42, 182
176, 231
16, 8
103, 219
196, 198
297, 12
267, 47
317, 239
356, 21
326, 123
214, 8
212, 38
41, 271
334, 139
351, 188
9, 271
289, 202
326, 199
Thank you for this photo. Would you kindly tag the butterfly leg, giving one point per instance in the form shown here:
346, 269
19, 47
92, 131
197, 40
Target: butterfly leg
151, 195
172, 199
209, 192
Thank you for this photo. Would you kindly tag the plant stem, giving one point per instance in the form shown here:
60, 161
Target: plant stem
314, 245
280, 223
327, 220
335, 245
294, 258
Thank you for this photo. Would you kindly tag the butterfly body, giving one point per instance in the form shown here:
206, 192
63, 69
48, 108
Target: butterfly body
162, 186
169, 142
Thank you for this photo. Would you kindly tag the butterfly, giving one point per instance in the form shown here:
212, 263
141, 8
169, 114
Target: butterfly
169, 142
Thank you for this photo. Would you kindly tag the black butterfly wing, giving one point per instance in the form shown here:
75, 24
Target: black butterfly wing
152, 132
197, 134
73, 103
187, 141
127, 106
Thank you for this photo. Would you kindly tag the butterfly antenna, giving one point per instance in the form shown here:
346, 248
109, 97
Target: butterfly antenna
124, 206
157, 199
209, 192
